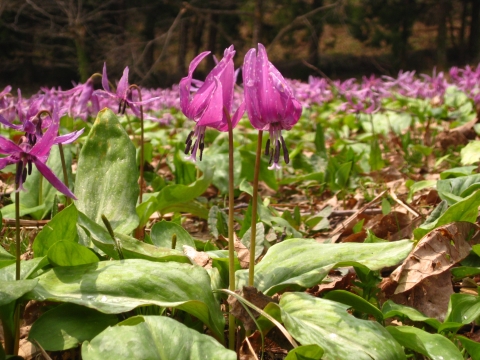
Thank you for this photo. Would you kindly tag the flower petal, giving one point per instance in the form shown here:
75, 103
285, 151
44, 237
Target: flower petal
9, 147
122, 86
105, 84
68, 138
186, 82
213, 114
52, 178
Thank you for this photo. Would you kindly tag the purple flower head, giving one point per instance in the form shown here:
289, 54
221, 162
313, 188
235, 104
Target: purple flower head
79, 96
25, 154
270, 102
123, 94
211, 103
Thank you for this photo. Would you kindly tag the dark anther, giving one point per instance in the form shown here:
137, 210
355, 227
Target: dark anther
124, 107
24, 174
201, 146
120, 106
189, 145
286, 157
267, 148
19, 172
189, 137
276, 157
29, 163
271, 159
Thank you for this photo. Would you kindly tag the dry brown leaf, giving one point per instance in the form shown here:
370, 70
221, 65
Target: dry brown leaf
436, 252
243, 253
198, 257
245, 351
390, 224
337, 282
430, 296
254, 296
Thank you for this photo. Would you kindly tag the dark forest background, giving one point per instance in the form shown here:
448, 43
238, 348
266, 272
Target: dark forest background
52, 42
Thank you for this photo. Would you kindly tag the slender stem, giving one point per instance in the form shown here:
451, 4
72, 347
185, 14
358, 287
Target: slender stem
231, 245
64, 170
16, 327
142, 135
253, 228
17, 232
40, 190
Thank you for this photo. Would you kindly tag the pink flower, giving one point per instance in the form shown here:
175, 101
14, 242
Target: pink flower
270, 102
211, 103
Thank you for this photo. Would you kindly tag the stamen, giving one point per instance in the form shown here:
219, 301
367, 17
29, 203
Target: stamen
201, 145
124, 107
277, 153
24, 174
194, 145
29, 164
267, 147
286, 157
19, 172
271, 158
189, 137
189, 145
120, 107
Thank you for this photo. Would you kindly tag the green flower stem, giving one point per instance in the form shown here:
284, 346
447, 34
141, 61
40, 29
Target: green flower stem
142, 135
64, 170
253, 228
17, 232
231, 245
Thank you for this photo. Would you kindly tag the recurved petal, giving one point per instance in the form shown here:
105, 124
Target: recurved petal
43, 146
9, 147
6, 161
105, 84
186, 82
68, 138
123, 85
7, 123
52, 178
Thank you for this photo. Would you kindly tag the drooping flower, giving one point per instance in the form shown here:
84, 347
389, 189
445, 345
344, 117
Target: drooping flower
271, 105
79, 96
211, 103
25, 154
123, 94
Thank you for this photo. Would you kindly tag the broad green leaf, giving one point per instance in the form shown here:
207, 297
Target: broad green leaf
8, 212
305, 352
343, 174
119, 286
217, 158
193, 207
259, 239
304, 263
248, 169
420, 185
355, 301
68, 253
463, 308
154, 337
13, 290
5, 258
470, 154
391, 309
67, 325
39, 192
457, 172
185, 171
473, 347
107, 175
465, 210
131, 248
327, 323
460, 186
163, 231
62, 227
435, 346
464, 271
27, 269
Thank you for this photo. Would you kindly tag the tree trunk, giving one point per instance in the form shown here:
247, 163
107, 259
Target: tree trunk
316, 34
442, 13
198, 25
212, 39
257, 23
474, 40
182, 47
82, 57
149, 35
461, 35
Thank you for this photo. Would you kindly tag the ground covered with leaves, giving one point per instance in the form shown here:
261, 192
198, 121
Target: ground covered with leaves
368, 243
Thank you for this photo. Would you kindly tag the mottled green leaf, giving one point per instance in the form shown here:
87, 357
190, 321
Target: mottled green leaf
162, 233
68, 253
107, 175
154, 337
